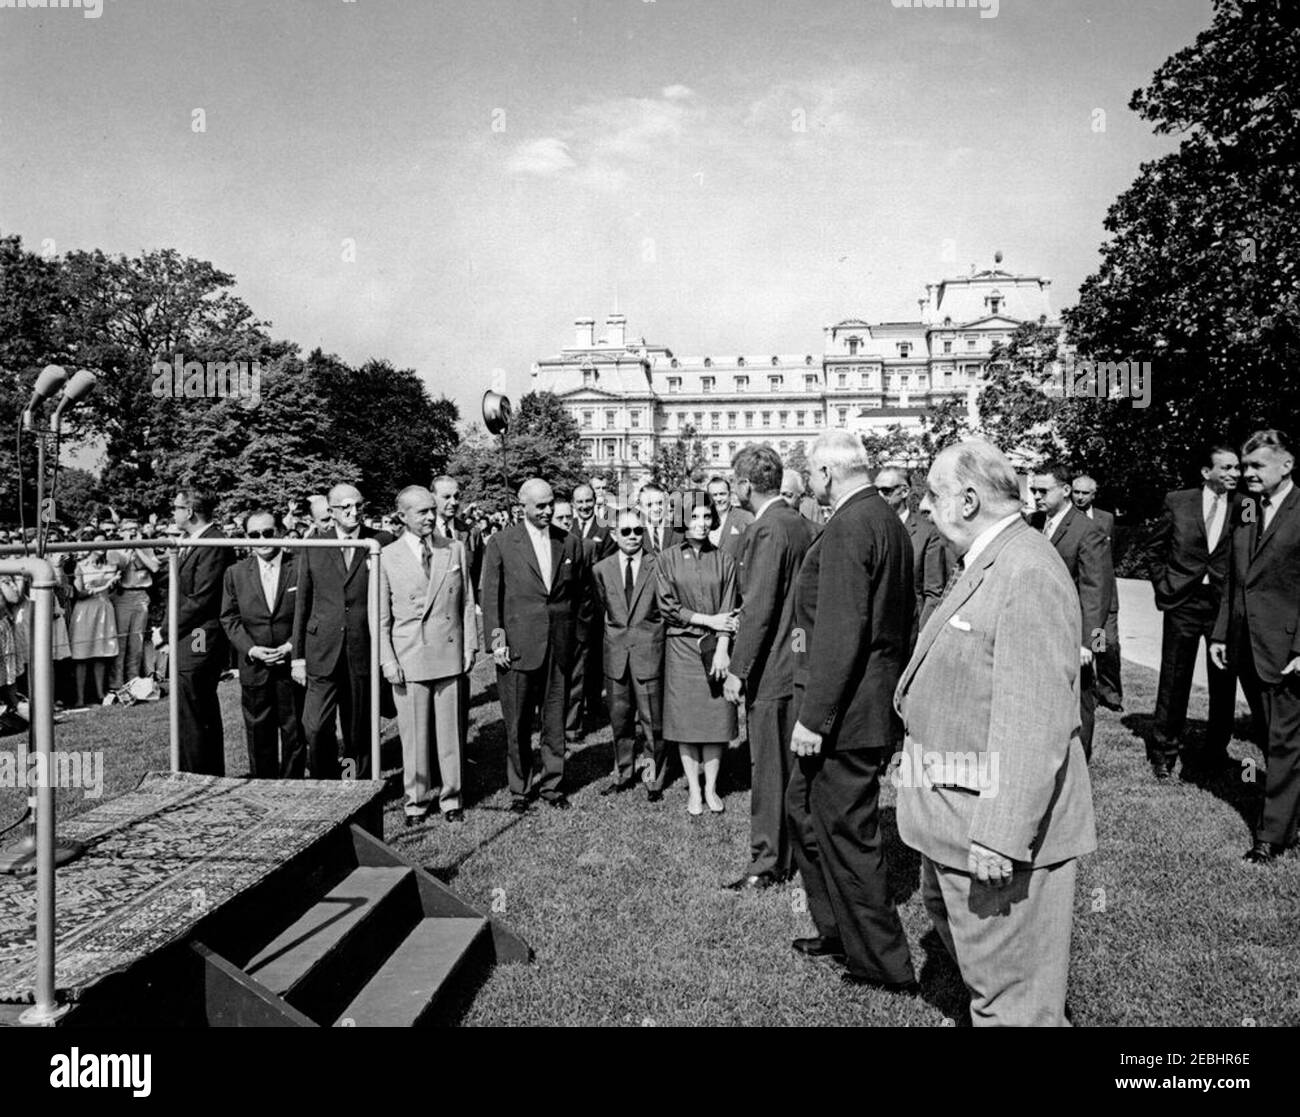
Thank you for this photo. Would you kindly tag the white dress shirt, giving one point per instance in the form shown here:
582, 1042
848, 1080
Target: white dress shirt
1053, 522
1214, 510
541, 541
634, 561
904, 512
767, 504
269, 572
1274, 502
984, 538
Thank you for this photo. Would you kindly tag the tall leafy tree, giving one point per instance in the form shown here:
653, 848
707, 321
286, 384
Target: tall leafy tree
1200, 273
676, 459
1016, 407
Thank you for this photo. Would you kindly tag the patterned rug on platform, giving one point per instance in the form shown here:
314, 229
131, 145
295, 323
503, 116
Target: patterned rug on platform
157, 860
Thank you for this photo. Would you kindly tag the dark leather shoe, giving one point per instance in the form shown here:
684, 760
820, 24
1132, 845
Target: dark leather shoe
752, 883
454, 815
819, 948
1262, 853
654, 796
903, 988
519, 806
619, 788
559, 803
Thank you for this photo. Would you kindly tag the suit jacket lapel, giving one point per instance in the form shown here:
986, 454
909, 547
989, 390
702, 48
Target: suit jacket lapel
960, 593
557, 555
1283, 510
281, 582
638, 583
1061, 527
524, 542
439, 568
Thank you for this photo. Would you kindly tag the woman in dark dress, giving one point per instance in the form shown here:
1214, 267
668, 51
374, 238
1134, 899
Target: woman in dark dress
697, 596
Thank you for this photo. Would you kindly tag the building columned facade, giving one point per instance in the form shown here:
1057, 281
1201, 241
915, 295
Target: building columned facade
629, 396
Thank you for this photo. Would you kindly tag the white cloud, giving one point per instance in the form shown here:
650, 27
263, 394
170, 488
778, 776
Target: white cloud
545, 157
677, 92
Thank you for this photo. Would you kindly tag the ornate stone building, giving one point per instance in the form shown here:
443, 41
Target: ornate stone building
628, 395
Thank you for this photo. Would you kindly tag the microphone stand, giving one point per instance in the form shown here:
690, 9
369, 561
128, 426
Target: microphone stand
20, 856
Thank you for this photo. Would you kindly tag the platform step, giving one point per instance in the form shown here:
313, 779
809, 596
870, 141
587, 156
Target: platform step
296, 958
408, 983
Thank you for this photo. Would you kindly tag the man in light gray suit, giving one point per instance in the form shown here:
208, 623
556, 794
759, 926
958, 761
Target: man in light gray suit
1004, 811
427, 641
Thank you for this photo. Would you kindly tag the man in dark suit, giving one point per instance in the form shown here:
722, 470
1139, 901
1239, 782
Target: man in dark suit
1192, 550
257, 615
762, 663
633, 656
1084, 548
331, 642
533, 584
1258, 628
585, 705
1110, 682
729, 536
203, 651
663, 526
853, 606
931, 559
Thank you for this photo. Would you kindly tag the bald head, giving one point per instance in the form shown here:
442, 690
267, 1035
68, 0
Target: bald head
971, 486
538, 502
345, 506
417, 510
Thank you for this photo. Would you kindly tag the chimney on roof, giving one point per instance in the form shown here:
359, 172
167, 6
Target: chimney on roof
616, 330
585, 333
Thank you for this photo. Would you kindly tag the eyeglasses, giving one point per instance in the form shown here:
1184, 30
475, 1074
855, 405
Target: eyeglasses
888, 490
628, 532
1039, 492
356, 506
269, 533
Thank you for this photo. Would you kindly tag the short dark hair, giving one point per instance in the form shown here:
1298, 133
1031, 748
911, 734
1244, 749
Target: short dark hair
718, 479
1207, 458
1055, 470
693, 498
202, 503
1271, 437
761, 467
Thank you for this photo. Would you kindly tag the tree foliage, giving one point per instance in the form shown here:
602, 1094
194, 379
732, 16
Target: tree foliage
1200, 272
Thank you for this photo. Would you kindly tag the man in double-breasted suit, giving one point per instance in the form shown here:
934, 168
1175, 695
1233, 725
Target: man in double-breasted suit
533, 584
1192, 549
331, 641
931, 561
449, 525
633, 655
203, 652
993, 786
257, 615
762, 659
1258, 627
585, 682
729, 535
1110, 683
1085, 548
428, 635
853, 609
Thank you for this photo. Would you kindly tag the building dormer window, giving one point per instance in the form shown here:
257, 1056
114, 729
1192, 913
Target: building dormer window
674, 363
947, 346
904, 348
775, 382
740, 362
742, 383
706, 383
808, 359
775, 361
970, 343
588, 377
854, 342
810, 383
708, 362
994, 304
674, 383
947, 322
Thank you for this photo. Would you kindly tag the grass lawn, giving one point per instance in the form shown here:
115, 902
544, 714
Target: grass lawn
620, 899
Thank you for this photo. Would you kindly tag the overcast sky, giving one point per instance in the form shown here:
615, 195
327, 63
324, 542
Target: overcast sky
738, 174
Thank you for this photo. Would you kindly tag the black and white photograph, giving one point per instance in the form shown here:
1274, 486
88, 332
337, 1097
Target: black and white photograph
650, 513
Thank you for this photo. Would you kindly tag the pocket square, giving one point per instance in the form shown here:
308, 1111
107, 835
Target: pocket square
958, 623
290, 589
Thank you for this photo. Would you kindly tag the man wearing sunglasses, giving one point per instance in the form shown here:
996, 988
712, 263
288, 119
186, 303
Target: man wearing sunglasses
931, 559
633, 660
257, 614
331, 641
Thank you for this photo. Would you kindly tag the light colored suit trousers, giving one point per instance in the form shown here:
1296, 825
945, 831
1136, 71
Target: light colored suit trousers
430, 712
1012, 943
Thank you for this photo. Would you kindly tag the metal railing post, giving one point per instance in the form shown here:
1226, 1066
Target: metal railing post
173, 659
372, 623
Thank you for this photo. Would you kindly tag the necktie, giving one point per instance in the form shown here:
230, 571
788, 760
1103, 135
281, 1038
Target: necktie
347, 555
426, 554
1260, 521
629, 583
958, 567
1214, 524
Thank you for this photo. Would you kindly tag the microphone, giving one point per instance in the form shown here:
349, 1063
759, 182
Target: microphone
51, 379
82, 384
